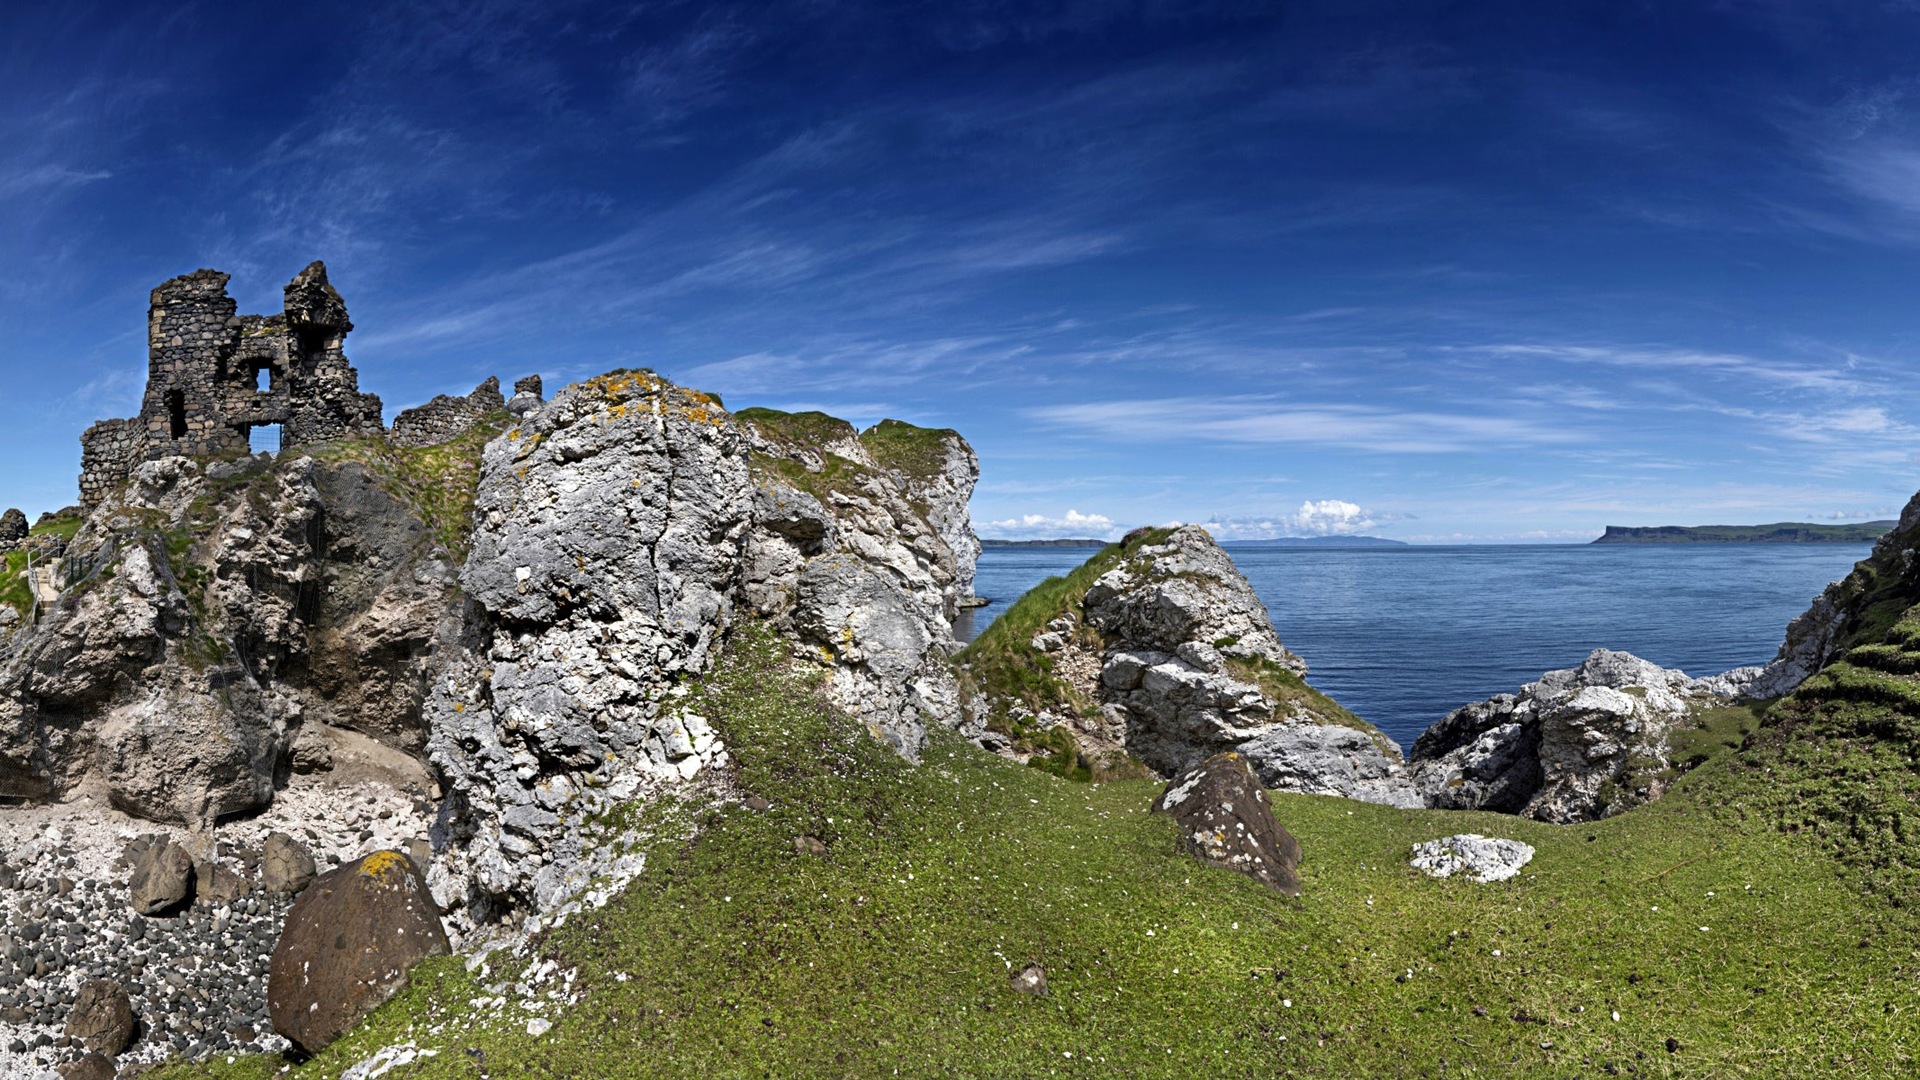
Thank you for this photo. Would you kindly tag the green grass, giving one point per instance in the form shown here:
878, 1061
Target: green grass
1713, 732
14, 590
802, 430
920, 453
1693, 918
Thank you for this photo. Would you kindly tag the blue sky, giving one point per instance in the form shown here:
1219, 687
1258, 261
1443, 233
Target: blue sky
1477, 271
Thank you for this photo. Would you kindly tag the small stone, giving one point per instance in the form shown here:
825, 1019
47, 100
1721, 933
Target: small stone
94, 1066
1031, 979
809, 845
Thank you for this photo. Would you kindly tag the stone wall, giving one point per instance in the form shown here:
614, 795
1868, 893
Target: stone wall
108, 452
213, 375
446, 416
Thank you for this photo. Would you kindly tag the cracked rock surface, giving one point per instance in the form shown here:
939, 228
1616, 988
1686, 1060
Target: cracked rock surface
1579, 744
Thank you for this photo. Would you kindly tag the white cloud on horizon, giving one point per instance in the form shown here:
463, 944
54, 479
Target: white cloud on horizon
1324, 517
1042, 527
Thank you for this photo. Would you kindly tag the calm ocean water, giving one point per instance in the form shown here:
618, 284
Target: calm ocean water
1403, 635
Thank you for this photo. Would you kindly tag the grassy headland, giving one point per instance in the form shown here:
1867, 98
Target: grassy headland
1690, 937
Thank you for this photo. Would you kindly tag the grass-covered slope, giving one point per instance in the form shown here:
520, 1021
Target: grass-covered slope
737, 955
1840, 758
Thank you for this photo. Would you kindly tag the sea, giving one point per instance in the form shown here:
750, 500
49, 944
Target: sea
1404, 635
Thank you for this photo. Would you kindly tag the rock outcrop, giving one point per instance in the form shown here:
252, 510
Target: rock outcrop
487, 643
1579, 744
210, 614
862, 551
13, 529
348, 945
620, 530
1226, 820
1169, 657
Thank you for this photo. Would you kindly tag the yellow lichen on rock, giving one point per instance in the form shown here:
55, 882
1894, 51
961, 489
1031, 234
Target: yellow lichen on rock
383, 865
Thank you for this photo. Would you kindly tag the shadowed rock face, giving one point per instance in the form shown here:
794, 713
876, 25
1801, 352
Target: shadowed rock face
1226, 820
212, 612
347, 946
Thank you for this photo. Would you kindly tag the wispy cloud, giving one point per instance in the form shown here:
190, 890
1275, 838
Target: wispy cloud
1270, 420
44, 178
1795, 376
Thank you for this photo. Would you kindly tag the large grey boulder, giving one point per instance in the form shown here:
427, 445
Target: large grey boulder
1578, 744
1332, 759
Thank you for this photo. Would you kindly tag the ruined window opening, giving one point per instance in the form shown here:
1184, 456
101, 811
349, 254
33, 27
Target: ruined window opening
262, 378
263, 438
177, 413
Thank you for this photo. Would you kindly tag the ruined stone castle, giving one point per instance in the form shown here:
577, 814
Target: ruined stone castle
214, 375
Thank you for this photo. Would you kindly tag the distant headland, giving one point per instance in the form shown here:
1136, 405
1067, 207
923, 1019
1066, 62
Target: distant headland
1272, 541
1785, 532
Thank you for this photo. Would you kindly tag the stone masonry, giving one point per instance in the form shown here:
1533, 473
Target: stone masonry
213, 375
446, 416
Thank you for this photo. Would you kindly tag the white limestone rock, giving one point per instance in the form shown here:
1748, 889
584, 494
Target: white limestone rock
1578, 744
1484, 859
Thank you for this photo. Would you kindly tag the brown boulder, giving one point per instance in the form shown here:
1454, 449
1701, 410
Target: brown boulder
1226, 820
162, 878
102, 1017
214, 883
93, 1066
347, 945
285, 864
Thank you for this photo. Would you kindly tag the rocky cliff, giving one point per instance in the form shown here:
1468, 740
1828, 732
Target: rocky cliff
1157, 651
1858, 609
475, 650
502, 630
